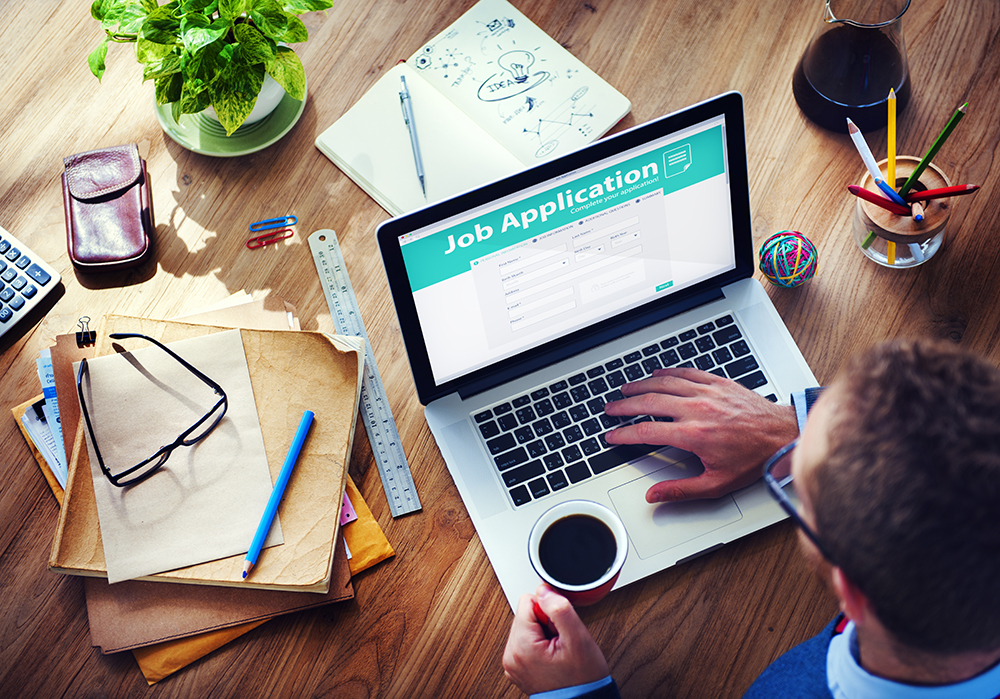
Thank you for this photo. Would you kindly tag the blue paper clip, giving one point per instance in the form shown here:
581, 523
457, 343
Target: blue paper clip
268, 224
259, 241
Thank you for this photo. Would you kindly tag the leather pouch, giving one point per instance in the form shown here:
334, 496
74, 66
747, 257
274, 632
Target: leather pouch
109, 211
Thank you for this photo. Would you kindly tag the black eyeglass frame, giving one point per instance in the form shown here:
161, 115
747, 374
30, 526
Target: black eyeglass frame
775, 487
163, 453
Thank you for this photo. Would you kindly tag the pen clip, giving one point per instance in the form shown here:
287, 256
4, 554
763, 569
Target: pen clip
268, 224
402, 107
259, 241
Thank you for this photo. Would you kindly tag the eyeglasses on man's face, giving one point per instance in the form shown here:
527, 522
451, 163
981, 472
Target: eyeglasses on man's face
192, 435
778, 478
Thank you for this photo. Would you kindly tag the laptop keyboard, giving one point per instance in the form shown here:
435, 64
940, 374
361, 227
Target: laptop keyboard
553, 437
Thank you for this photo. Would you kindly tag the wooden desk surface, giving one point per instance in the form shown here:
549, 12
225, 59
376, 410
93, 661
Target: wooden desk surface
433, 621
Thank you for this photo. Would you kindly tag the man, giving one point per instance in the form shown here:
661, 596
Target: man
898, 476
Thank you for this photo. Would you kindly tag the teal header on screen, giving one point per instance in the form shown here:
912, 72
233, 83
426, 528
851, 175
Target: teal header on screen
450, 252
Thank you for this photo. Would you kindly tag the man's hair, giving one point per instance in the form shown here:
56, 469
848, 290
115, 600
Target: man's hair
908, 499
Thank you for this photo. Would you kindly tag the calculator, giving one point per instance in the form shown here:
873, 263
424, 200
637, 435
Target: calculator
25, 279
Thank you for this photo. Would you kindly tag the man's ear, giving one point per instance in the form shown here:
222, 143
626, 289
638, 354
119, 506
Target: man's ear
853, 602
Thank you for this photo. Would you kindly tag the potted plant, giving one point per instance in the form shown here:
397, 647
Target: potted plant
202, 53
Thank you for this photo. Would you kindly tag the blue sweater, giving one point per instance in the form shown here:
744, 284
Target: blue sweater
799, 673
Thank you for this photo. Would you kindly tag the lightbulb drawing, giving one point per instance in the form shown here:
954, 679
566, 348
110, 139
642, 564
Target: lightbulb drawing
516, 78
517, 63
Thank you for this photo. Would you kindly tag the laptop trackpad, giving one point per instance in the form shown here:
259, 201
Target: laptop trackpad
653, 529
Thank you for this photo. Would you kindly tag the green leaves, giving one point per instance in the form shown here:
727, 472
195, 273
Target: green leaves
119, 16
202, 52
287, 71
254, 47
295, 31
269, 17
300, 7
235, 92
96, 59
161, 26
168, 88
168, 65
198, 32
231, 9
205, 7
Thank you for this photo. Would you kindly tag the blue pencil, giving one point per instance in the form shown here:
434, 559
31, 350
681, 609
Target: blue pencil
279, 490
889, 191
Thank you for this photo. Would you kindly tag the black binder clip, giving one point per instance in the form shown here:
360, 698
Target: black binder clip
85, 336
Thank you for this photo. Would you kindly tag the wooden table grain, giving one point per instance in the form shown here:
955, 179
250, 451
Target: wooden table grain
432, 621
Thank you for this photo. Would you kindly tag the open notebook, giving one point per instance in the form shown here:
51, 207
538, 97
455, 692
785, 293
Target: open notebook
490, 95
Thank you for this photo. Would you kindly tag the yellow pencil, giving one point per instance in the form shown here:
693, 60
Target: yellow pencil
891, 165
891, 252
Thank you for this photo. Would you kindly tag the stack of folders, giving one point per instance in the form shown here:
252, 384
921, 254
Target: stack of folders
307, 563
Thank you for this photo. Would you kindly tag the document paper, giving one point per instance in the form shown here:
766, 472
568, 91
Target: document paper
205, 502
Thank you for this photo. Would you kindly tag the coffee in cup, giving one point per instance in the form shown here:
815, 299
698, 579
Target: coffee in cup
578, 548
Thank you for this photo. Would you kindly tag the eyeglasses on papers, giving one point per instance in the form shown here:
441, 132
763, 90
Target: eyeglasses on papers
192, 435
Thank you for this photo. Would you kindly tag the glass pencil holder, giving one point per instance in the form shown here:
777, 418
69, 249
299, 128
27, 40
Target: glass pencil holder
902, 241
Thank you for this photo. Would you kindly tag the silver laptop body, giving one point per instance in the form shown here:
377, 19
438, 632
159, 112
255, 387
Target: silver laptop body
526, 303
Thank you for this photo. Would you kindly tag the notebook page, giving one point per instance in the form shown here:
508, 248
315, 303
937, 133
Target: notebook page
371, 144
518, 83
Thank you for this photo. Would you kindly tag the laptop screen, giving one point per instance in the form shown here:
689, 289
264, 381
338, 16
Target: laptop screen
516, 272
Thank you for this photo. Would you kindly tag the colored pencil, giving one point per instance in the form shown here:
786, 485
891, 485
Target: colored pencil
935, 147
889, 191
864, 150
869, 239
878, 200
940, 193
278, 491
891, 152
890, 252
548, 628
918, 211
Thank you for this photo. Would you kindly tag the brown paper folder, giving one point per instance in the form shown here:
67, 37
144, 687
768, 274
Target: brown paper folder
290, 371
133, 614
64, 353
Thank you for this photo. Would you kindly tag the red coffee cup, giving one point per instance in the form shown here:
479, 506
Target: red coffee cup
578, 548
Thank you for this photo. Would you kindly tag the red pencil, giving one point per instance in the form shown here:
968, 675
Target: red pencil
543, 619
879, 200
955, 191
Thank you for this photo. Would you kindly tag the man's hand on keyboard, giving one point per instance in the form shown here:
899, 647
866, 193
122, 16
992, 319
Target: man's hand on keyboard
732, 430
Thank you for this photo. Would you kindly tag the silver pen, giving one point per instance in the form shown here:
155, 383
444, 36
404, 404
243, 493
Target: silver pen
407, 105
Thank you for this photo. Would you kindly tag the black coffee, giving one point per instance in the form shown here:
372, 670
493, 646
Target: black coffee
850, 72
577, 550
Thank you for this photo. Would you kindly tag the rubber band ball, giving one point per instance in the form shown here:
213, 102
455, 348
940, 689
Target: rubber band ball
788, 259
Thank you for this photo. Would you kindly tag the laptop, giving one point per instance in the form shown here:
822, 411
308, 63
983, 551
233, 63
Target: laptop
525, 304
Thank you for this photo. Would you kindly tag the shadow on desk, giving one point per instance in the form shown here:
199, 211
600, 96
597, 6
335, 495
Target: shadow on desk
206, 204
